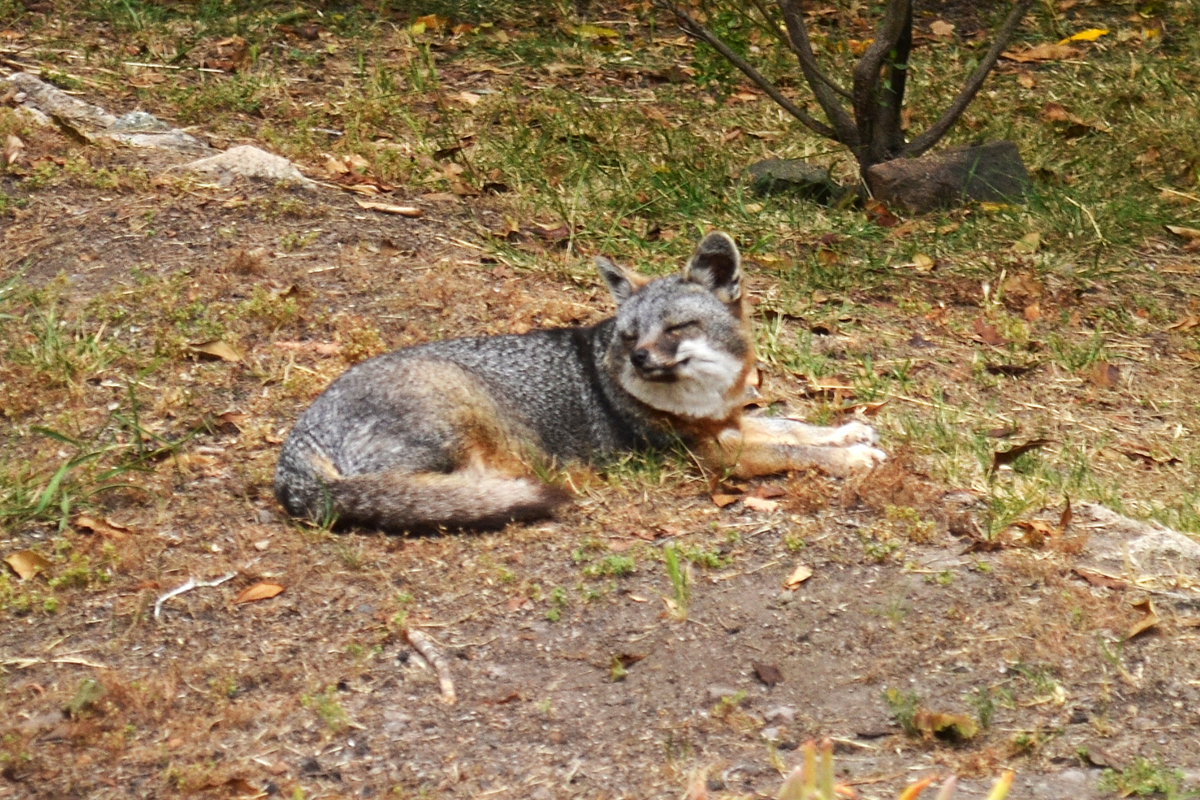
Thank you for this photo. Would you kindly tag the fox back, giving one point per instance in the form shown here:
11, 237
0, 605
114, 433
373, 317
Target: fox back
449, 434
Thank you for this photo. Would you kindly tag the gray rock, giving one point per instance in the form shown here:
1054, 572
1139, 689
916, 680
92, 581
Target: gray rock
247, 161
780, 715
137, 122
718, 693
992, 172
1152, 549
792, 176
51, 100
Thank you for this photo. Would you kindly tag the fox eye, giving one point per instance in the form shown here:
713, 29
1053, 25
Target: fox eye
682, 327
627, 336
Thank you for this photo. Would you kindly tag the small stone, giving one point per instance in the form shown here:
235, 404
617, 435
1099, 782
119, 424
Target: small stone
718, 693
771, 734
780, 715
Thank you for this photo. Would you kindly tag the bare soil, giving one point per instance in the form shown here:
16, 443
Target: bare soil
595, 690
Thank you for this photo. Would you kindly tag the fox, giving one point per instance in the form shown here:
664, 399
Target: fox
450, 434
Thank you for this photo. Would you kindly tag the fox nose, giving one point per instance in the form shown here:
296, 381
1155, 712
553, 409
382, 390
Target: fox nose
640, 358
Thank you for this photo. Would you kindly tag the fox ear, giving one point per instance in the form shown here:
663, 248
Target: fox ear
621, 282
717, 266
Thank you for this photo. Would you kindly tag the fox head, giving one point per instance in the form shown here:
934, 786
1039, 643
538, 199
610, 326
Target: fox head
681, 344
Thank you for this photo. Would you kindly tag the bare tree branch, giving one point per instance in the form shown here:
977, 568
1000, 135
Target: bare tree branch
783, 37
866, 76
888, 135
936, 131
697, 31
824, 90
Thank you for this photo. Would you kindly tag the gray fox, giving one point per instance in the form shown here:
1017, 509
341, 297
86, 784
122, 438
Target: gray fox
449, 434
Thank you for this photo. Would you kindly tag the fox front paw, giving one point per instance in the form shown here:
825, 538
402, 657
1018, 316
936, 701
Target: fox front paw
862, 457
853, 433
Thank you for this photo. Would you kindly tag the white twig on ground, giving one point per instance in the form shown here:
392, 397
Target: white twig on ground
191, 583
424, 645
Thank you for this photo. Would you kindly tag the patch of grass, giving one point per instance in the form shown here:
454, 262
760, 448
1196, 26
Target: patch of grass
1144, 777
680, 577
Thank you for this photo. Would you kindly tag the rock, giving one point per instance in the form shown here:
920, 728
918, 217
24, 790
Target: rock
139, 129
1152, 548
51, 100
992, 172
247, 161
793, 176
780, 716
718, 693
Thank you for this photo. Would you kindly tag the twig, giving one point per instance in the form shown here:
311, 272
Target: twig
172, 66
938, 129
191, 583
1092, 219
423, 645
697, 31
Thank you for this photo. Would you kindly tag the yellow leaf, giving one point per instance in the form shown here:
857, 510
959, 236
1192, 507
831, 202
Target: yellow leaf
259, 591
1028, 243
1090, 35
216, 348
27, 563
596, 32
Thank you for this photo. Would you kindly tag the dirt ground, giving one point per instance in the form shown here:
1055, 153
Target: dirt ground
573, 674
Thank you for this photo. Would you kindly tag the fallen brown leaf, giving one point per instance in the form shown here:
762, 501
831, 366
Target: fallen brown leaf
103, 527
759, 504
27, 563
799, 575
1003, 457
1149, 618
259, 591
216, 348
1042, 52
987, 332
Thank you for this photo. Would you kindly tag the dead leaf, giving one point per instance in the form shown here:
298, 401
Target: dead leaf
767, 673
388, 208
13, 146
216, 348
923, 263
1002, 457
949, 727
1026, 80
1098, 578
1149, 618
759, 504
1190, 234
1042, 52
987, 333
878, 213
722, 500
1104, 374
1036, 532
941, 28
103, 527
1027, 244
27, 563
799, 575
259, 591
1185, 324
